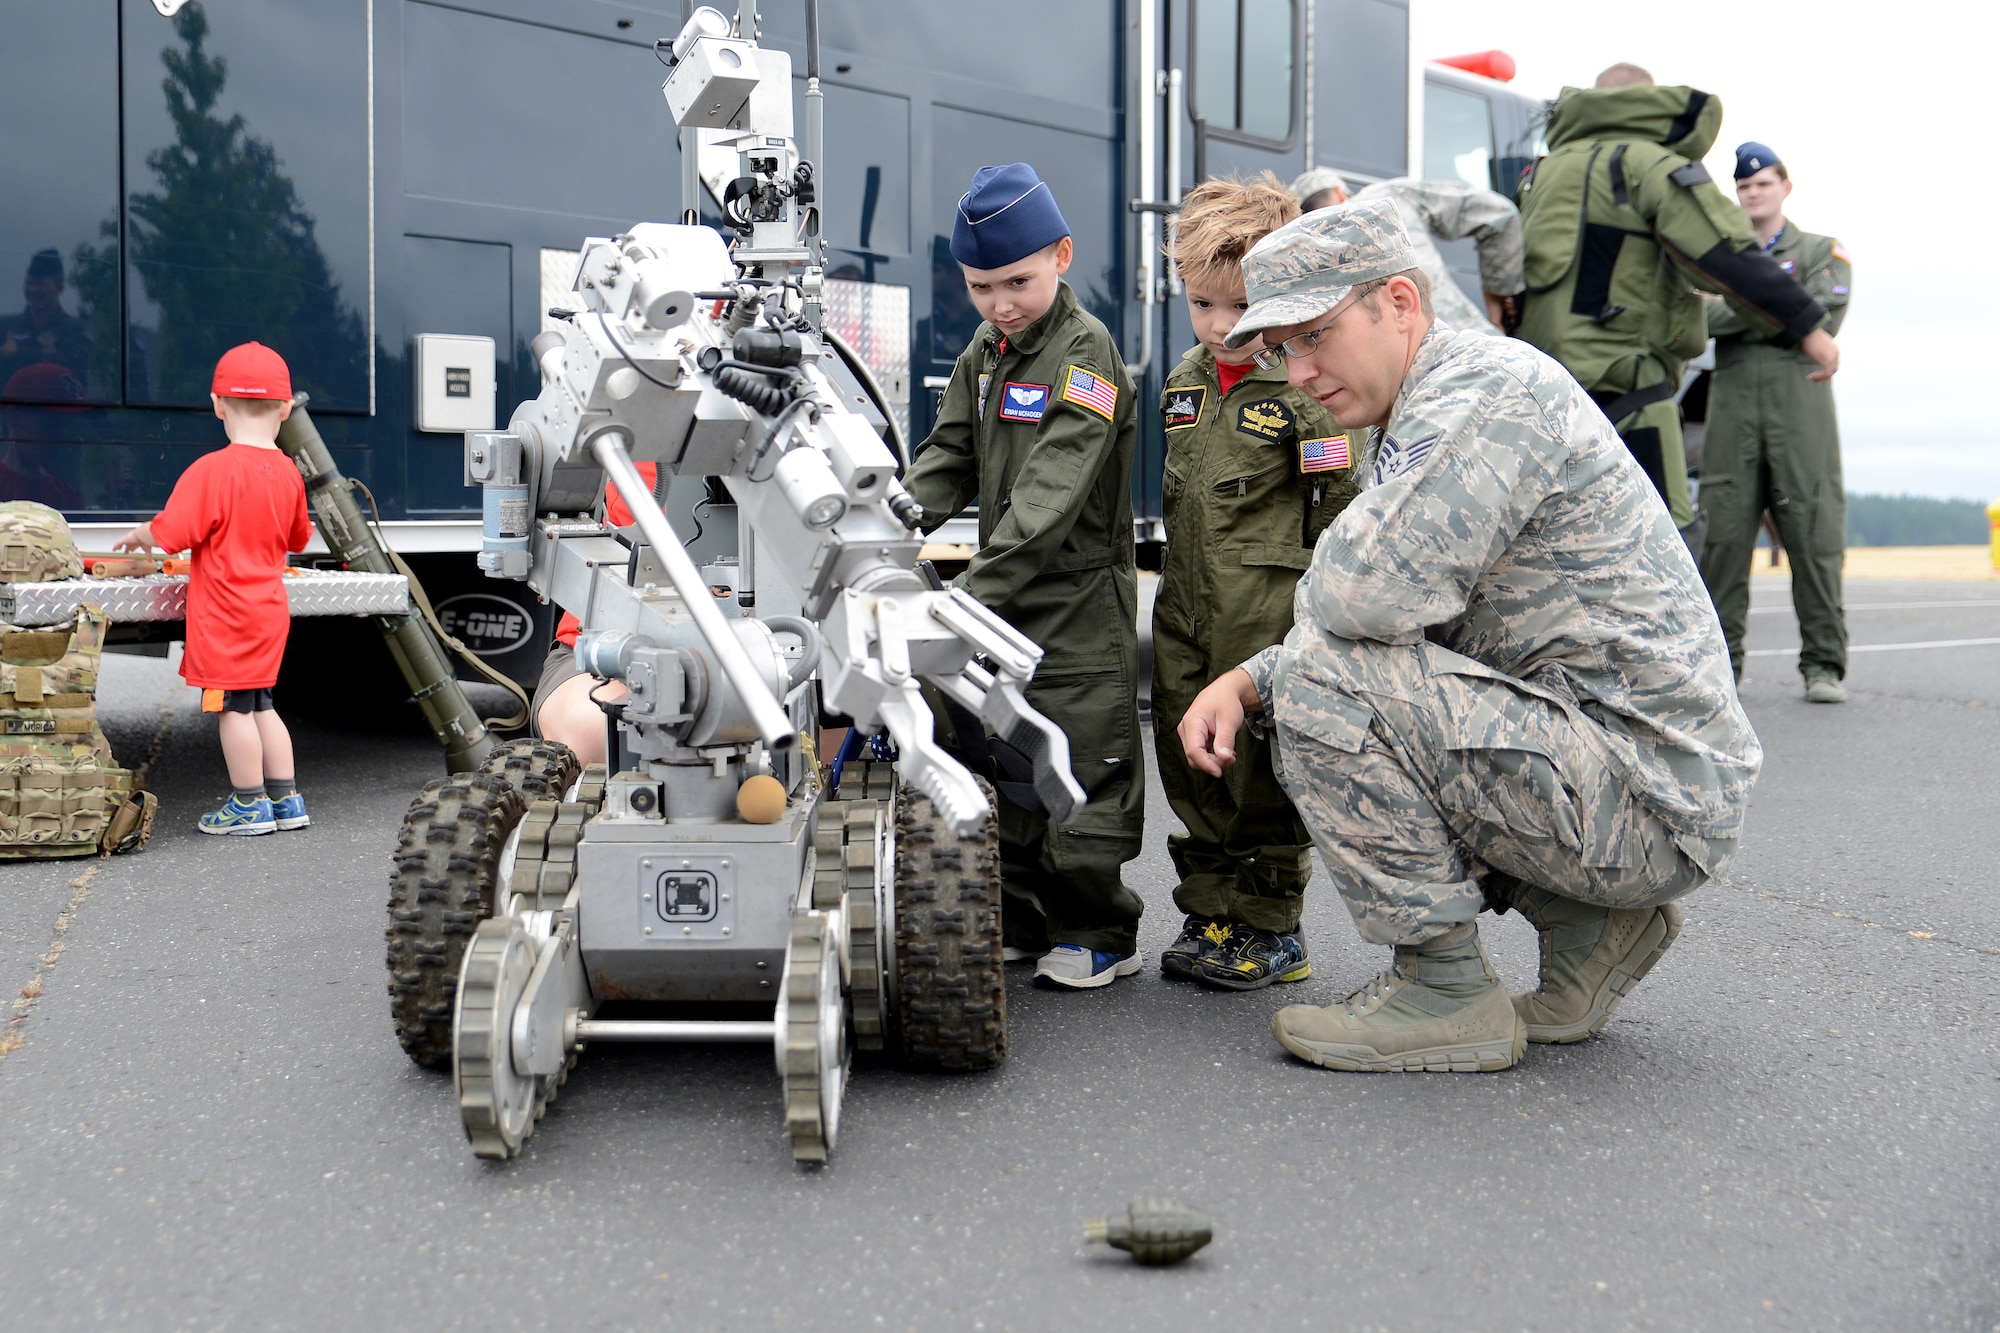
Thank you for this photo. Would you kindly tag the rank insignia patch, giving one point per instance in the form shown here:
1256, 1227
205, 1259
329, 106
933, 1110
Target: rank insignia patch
1327, 455
1181, 408
1267, 419
1088, 390
1394, 459
1023, 402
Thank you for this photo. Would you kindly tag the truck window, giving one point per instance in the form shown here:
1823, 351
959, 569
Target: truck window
1458, 136
246, 178
60, 278
1242, 66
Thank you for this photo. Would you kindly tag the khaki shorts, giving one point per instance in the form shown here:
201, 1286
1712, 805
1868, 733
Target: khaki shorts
560, 666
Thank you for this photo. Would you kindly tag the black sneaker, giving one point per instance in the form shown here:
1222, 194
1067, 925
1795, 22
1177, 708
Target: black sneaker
1253, 959
1200, 936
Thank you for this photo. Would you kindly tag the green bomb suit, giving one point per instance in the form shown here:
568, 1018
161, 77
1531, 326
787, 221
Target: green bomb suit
1622, 223
1052, 470
1773, 443
1246, 498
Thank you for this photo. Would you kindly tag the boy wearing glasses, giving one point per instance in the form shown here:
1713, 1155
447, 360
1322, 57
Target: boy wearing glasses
1039, 426
1506, 687
1255, 471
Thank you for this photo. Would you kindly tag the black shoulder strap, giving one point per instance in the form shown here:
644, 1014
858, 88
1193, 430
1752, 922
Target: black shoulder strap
1619, 194
1582, 220
1684, 123
1689, 174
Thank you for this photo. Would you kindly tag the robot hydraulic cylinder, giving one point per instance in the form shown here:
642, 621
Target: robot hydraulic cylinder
418, 653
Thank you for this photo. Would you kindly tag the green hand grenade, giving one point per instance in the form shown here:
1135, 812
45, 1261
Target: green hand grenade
1153, 1231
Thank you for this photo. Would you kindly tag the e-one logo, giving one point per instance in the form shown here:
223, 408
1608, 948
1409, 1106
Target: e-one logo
490, 626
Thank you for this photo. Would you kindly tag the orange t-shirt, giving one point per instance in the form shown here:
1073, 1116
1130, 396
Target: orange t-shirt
239, 511
617, 514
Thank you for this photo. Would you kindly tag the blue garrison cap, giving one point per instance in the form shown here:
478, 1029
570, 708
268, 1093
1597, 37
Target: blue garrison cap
46, 264
1753, 157
1007, 215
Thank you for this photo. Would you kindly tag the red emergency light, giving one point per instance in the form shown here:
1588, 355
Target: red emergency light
1490, 64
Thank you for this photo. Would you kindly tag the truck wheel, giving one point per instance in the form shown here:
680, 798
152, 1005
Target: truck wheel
540, 770
951, 995
447, 862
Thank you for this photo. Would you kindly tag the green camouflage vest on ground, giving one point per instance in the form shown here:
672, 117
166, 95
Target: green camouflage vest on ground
61, 793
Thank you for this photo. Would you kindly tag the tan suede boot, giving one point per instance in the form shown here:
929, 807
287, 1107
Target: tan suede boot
1439, 1007
1592, 957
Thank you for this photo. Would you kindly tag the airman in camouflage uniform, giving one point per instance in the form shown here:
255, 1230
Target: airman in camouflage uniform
1504, 687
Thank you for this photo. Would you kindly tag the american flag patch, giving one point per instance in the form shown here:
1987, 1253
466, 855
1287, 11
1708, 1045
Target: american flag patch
1324, 455
1840, 253
1087, 390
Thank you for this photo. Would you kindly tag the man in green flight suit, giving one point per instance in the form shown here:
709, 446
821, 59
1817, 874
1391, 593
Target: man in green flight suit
1772, 443
1039, 425
1255, 471
1622, 224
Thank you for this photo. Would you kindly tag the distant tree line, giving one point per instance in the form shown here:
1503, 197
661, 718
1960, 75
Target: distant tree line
1914, 520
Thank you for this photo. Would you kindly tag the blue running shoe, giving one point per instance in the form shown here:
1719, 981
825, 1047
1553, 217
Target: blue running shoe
1076, 968
237, 818
290, 812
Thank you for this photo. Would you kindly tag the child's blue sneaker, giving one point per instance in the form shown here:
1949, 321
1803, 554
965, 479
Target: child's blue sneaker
237, 818
290, 811
1076, 968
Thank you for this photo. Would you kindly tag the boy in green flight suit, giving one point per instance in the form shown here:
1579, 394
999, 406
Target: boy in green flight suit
1256, 470
1039, 425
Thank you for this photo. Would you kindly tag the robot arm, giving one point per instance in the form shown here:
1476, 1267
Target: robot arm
708, 362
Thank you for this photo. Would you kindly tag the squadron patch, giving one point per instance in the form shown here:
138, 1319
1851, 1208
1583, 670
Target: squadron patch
1791, 266
1181, 408
1267, 419
1327, 455
1088, 390
1023, 402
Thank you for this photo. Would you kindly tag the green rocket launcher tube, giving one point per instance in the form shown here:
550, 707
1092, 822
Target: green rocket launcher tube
419, 655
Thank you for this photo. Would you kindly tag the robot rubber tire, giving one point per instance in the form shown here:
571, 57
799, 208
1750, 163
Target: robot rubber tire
950, 991
447, 863
539, 769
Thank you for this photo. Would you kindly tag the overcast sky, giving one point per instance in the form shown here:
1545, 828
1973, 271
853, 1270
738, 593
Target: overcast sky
1882, 115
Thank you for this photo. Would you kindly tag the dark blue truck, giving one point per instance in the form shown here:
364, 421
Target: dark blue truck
345, 179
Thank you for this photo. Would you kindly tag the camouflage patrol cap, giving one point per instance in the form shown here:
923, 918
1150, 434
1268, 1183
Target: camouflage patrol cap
1308, 266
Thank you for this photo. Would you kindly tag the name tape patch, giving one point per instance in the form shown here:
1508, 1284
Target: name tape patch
1023, 402
1181, 408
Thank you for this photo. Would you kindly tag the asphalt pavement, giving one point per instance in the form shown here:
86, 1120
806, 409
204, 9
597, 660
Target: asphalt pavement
205, 1120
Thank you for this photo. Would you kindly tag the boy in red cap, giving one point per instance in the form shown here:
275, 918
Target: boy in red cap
240, 511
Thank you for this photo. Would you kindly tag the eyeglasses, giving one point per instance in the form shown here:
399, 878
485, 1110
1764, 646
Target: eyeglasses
1299, 344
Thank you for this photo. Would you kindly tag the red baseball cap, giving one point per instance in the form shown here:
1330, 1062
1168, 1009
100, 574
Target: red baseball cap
252, 370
